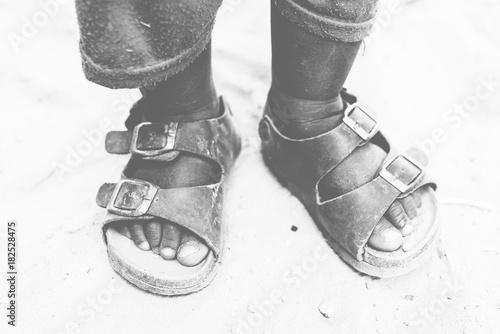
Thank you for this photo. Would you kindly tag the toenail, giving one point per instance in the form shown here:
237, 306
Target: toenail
408, 229
168, 253
144, 246
188, 250
409, 245
390, 233
156, 250
388, 240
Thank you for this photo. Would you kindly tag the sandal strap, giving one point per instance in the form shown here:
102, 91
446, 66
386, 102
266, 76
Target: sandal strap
350, 218
154, 141
197, 209
304, 160
399, 177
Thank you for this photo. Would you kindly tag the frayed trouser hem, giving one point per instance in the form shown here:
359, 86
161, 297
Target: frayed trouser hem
322, 25
145, 76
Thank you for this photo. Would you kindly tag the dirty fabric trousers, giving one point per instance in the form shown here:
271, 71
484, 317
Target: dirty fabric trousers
139, 43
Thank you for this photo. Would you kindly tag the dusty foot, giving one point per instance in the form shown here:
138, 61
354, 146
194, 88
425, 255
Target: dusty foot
160, 236
358, 169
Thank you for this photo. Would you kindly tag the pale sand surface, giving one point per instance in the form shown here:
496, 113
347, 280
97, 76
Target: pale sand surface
426, 58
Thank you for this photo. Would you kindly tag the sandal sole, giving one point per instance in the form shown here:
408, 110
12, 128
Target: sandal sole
152, 273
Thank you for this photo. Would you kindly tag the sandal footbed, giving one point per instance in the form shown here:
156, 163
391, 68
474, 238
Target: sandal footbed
154, 274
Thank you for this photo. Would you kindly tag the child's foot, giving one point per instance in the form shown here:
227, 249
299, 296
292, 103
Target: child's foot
159, 236
354, 171
399, 220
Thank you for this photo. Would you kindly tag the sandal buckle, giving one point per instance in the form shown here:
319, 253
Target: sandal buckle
153, 139
394, 181
356, 127
132, 198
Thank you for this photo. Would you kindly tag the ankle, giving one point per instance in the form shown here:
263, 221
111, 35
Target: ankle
187, 96
196, 110
300, 118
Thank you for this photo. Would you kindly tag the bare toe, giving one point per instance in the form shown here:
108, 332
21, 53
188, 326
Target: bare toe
138, 236
170, 241
124, 229
409, 206
152, 230
417, 198
397, 216
192, 250
385, 237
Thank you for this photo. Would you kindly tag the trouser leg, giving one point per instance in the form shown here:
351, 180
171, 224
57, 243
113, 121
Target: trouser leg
138, 43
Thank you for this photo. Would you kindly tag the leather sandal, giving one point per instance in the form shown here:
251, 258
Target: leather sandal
198, 209
349, 220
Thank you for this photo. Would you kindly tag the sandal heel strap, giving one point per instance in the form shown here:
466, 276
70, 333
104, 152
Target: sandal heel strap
305, 160
215, 139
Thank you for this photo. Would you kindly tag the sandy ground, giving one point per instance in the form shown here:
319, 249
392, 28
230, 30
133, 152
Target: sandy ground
431, 72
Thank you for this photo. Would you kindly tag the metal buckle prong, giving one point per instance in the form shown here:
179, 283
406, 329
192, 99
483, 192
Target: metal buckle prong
170, 131
147, 200
356, 127
394, 181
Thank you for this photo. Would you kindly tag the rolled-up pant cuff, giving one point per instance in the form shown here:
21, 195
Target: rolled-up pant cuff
136, 77
326, 25
139, 43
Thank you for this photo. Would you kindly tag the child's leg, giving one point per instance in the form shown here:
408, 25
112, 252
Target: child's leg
186, 96
161, 47
312, 56
315, 43
190, 92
